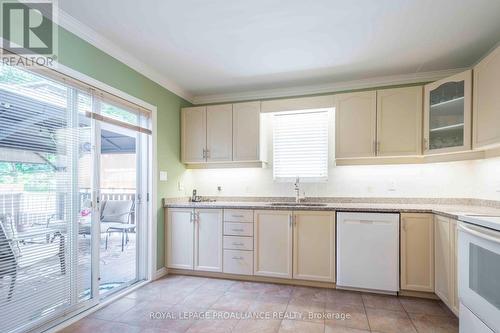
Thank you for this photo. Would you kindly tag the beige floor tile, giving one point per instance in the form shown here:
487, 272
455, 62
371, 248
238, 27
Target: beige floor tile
297, 326
309, 310
84, 325
269, 304
257, 326
342, 329
140, 315
382, 302
114, 327
215, 324
278, 290
233, 302
115, 309
217, 284
423, 306
202, 298
435, 324
344, 297
347, 315
386, 321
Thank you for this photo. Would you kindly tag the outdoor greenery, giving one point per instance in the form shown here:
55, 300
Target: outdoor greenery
33, 177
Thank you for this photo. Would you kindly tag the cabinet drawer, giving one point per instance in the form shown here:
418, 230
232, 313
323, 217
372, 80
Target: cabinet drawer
238, 262
238, 229
238, 243
238, 215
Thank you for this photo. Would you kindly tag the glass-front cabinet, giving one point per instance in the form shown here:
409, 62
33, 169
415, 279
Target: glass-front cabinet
447, 114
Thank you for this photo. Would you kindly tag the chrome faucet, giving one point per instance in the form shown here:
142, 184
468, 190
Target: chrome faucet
297, 190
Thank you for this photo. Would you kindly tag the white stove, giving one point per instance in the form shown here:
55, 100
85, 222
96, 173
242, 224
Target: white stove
479, 273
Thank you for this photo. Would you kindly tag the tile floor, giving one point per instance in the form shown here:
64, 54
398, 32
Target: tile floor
224, 301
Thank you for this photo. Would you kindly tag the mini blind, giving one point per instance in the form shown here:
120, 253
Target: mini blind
300, 146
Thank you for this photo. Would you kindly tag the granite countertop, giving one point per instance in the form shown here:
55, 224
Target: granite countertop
448, 210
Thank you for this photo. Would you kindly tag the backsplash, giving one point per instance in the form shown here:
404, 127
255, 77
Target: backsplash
465, 179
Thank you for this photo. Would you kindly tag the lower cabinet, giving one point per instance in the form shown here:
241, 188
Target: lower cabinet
454, 262
273, 243
417, 252
180, 238
445, 261
314, 246
194, 239
208, 240
298, 245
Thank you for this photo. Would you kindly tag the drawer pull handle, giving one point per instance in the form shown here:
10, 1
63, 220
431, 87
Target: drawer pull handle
237, 258
240, 230
238, 244
240, 216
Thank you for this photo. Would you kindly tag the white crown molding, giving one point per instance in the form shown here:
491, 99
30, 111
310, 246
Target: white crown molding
86, 33
382, 81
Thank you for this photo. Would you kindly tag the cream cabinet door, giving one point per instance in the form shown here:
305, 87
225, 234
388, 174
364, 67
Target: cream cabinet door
355, 124
273, 243
208, 240
220, 133
314, 246
417, 252
486, 101
194, 134
399, 121
447, 114
180, 237
454, 303
246, 131
443, 261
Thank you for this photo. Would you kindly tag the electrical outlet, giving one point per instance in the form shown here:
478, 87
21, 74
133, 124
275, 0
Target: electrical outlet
180, 186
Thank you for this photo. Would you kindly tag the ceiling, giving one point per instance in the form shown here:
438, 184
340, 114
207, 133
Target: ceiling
232, 48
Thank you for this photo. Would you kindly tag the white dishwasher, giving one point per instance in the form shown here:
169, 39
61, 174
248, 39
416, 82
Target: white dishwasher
368, 251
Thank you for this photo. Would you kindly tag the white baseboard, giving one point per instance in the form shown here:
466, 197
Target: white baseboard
160, 273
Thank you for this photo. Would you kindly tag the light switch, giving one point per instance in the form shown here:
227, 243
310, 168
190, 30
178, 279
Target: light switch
163, 176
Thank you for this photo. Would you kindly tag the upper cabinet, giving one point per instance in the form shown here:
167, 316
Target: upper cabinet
447, 114
194, 134
486, 103
355, 118
224, 133
399, 121
246, 132
219, 133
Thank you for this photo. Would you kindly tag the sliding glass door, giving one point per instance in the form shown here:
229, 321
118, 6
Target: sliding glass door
73, 175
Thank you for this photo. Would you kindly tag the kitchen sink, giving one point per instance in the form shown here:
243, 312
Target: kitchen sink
298, 204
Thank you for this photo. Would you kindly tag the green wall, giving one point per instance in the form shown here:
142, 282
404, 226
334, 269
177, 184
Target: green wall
87, 59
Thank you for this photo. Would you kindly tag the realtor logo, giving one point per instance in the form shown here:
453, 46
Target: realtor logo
29, 32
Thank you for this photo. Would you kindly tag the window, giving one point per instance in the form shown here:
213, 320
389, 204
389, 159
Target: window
300, 145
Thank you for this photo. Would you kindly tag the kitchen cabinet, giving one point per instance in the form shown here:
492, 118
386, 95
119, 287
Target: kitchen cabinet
486, 101
273, 243
194, 239
355, 124
454, 305
447, 114
314, 246
219, 133
442, 254
399, 121
417, 252
194, 134
445, 268
180, 238
246, 132
208, 240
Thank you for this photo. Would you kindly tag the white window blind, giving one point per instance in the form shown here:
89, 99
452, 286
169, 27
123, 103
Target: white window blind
300, 145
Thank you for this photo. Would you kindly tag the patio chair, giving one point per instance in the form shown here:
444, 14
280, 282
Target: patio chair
116, 217
12, 248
